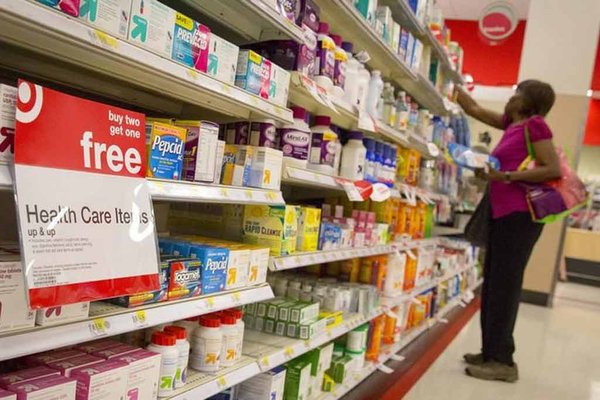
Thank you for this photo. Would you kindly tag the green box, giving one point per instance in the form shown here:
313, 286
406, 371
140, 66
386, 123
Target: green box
341, 367
259, 323
280, 328
250, 309
273, 308
269, 326
308, 330
249, 321
261, 310
302, 312
284, 310
292, 330
297, 380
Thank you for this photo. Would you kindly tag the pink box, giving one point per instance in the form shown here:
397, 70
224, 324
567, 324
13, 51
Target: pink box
26, 375
69, 364
144, 373
106, 380
51, 356
91, 347
4, 395
115, 351
49, 387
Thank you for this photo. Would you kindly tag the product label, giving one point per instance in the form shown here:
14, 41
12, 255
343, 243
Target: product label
152, 26
79, 173
8, 106
326, 57
111, 16
237, 133
323, 148
295, 143
184, 279
190, 44
230, 346
206, 353
199, 155
306, 58
263, 134
339, 72
165, 150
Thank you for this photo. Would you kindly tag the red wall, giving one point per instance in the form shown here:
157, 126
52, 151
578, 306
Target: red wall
592, 127
492, 65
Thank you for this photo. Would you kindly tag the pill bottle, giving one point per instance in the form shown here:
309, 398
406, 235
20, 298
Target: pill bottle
184, 353
206, 345
166, 345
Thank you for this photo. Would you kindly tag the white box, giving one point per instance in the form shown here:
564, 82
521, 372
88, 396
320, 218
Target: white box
219, 161
238, 266
152, 26
259, 264
143, 374
110, 16
8, 108
62, 314
222, 59
265, 171
280, 85
266, 386
102, 381
410, 47
49, 387
199, 155
396, 32
14, 310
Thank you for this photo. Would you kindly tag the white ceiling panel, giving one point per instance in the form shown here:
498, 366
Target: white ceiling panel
471, 9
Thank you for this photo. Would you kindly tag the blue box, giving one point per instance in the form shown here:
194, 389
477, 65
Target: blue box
213, 262
181, 249
330, 236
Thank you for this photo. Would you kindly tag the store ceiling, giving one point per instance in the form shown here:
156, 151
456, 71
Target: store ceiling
471, 9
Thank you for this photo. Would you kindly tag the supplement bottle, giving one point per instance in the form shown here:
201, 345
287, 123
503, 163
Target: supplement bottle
206, 345
263, 133
354, 156
323, 146
165, 345
371, 162
362, 87
351, 78
231, 340
183, 346
190, 325
295, 140
374, 93
238, 314
325, 61
339, 70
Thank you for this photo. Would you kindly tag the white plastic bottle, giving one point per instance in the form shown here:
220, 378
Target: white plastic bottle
338, 156
401, 112
206, 345
351, 80
374, 93
323, 146
354, 156
231, 340
394, 279
237, 313
362, 87
325, 61
389, 105
190, 325
339, 70
295, 140
183, 346
166, 345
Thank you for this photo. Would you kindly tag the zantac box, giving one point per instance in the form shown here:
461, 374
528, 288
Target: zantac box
8, 107
110, 16
49, 387
190, 43
143, 374
222, 59
165, 150
151, 26
62, 314
14, 311
213, 264
106, 380
200, 150
272, 226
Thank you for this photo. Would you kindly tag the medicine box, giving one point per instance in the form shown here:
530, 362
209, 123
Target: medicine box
330, 237
265, 170
191, 42
142, 374
213, 267
154, 296
309, 330
279, 84
253, 73
184, 278
273, 307
69, 7
219, 161
5, 395
309, 221
106, 380
297, 380
69, 364
115, 351
90, 347
165, 150
222, 59
62, 314
152, 25
8, 107
272, 226
259, 264
14, 310
237, 164
110, 16
304, 312
49, 387
27, 374
51, 356
238, 261
396, 33
200, 150
266, 386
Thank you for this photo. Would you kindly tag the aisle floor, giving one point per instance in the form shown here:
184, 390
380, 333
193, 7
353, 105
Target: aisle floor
558, 352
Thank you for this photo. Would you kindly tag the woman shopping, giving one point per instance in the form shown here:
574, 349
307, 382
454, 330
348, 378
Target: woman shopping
512, 233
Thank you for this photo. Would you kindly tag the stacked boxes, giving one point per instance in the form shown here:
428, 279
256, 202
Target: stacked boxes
272, 226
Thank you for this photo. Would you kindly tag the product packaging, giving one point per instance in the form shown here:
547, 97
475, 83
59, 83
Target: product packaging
253, 73
238, 133
292, 56
142, 373
279, 84
307, 15
263, 134
222, 59
67, 365
110, 16
51, 356
265, 172
184, 278
165, 150
96, 345
8, 107
309, 219
115, 351
14, 313
259, 264
200, 150
27, 374
297, 380
106, 380
152, 26
4, 395
62, 314
213, 265
219, 161
69, 7
155, 296
330, 237
237, 164
272, 226
190, 43
266, 386
49, 387
311, 329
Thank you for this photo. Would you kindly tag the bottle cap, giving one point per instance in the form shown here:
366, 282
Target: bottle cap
228, 319
299, 112
193, 319
322, 120
178, 331
337, 39
348, 46
236, 312
209, 322
323, 27
163, 339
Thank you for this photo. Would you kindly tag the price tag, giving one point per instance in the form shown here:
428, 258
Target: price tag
99, 327
106, 41
443, 321
397, 357
289, 352
192, 74
210, 302
249, 194
381, 192
434, 151
224, 193
385, 369
271, 196
139, 319
326, 98
236, 298
311, 87
225, 88
265, 361
365, 121
352, 191
222, 383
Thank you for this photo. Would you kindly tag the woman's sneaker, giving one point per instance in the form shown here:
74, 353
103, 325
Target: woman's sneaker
494, 371
474, 359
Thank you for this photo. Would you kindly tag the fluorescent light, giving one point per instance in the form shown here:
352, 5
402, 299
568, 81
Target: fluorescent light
589, 93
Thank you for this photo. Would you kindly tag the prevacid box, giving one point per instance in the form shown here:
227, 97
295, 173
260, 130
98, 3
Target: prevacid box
110, 16
190, 43
151, 26
165, 150
253, 73
69, 7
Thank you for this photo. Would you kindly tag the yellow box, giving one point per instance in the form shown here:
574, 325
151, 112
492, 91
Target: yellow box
237, 162
309, 223
273, 226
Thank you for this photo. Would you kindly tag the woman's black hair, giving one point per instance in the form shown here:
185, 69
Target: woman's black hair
537, 97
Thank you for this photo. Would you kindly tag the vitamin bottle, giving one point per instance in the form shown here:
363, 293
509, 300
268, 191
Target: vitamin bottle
165, 345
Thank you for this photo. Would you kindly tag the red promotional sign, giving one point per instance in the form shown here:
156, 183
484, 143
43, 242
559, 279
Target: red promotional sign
85, 214
498, 21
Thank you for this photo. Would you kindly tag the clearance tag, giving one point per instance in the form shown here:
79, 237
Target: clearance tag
237, 298
139, 319
99, 327
222, 382
289, 352
105, 40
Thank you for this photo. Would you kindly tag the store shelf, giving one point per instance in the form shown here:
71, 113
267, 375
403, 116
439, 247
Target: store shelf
393, 134
67, 51
202, 385
6, 180
446, 231
254, 20
207, 193
404, 15
439, 52
423, 91
109, 320
272, 350
314, 179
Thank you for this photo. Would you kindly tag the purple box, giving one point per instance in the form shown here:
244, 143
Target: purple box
96, 345
67, 365
143, 374
26, 375
107, 380
308, 15
4, 395
115, 351
51, 356
263, 134
237, 133
48, 387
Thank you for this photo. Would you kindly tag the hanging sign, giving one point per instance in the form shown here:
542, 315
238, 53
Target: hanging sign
498, 21
85, 215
